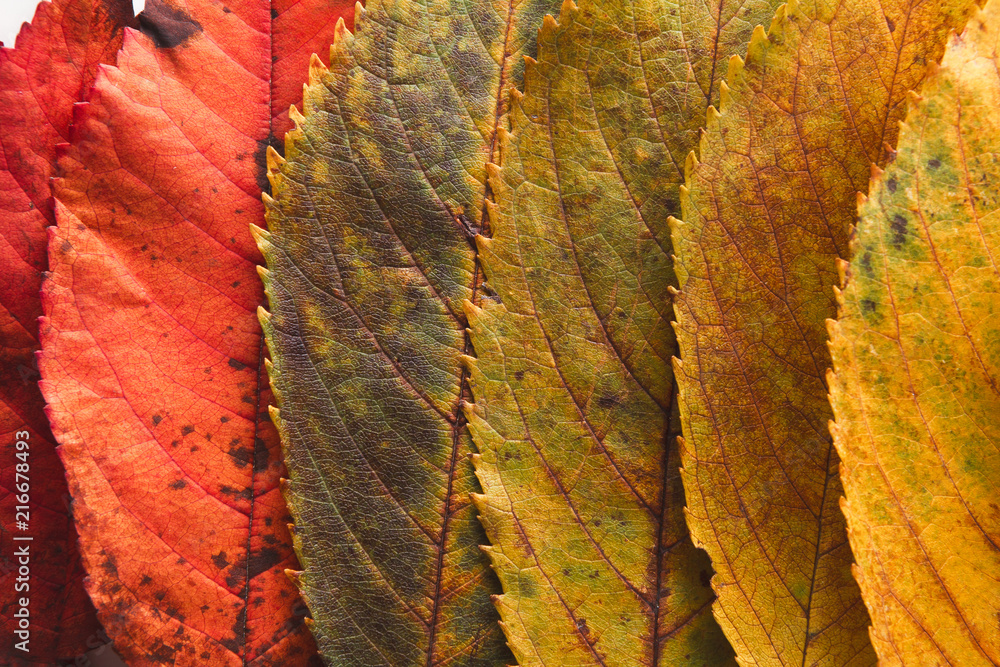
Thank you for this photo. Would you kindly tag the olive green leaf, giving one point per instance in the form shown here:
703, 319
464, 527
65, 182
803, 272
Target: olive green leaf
574, 410
917, 357
767, 213
369, 264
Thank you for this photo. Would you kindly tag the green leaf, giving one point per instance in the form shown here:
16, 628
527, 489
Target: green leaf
767, 214
369, 264
575, 415
917, 385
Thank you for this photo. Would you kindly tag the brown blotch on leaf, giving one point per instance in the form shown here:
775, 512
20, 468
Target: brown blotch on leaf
167, 25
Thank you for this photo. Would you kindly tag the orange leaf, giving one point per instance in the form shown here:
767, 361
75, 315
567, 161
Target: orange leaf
54, 64
153, 362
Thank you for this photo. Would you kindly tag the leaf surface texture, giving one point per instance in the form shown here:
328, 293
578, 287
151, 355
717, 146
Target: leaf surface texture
52, 67
917, 359
369, 264
767, 213
152, 353
575, 414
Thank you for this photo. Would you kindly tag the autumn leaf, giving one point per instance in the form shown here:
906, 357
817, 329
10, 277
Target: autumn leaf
152, 354
52, 67
767, 212
917, 359
575, 416
368, 266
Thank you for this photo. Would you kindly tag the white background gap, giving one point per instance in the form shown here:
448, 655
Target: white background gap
15, 12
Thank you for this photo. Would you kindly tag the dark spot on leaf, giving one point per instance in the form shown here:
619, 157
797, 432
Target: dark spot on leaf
247, 398
260, 455
235, 283
220, 560
891, 184
868, 305
178, 484
581, 625
607, 401
242, 456
235, 644
66, 246
109, 565
898, 227
160, 595
230, 491
187, 430
160, 652
166, 25
263, 561
146, 580
238, 365
223, 419
227, 10
268, 521
866, 263
157, 419
934, 163
260, 158
519, 375
892, 26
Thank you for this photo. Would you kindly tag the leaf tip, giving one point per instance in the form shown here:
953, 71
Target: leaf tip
317, 70
723, 96
274, 158
259, 234
758, 42
735, 69
296, 116
690, 165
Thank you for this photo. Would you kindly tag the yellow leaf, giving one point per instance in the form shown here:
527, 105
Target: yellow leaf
917, 358
767, 214
575, 413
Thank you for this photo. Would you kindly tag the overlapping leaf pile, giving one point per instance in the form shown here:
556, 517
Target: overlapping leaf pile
483, 225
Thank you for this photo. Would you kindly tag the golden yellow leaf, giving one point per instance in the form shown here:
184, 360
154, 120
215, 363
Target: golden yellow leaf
767, 214
917, 357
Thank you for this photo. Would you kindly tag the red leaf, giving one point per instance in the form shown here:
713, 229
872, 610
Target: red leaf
53, 66
153, 357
